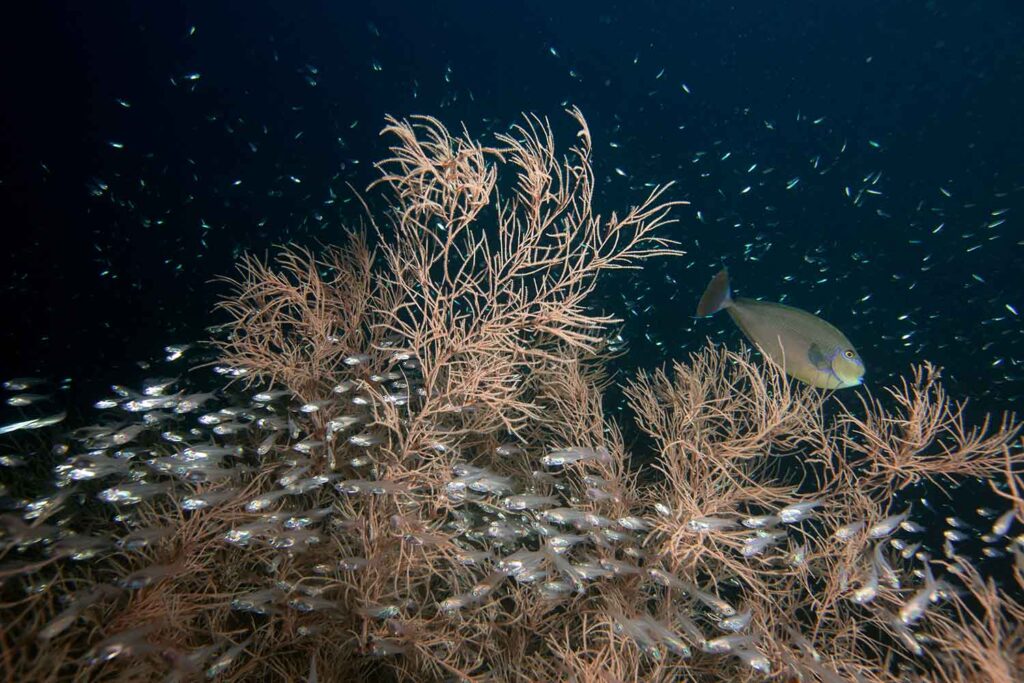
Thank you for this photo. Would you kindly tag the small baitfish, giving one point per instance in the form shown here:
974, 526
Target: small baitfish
804, 345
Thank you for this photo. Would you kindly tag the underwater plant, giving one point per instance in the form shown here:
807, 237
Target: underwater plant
408, 473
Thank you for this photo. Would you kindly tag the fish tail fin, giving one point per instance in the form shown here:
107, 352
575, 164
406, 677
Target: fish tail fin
717, 296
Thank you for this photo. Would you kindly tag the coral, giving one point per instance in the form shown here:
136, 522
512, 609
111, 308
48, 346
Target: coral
427, 485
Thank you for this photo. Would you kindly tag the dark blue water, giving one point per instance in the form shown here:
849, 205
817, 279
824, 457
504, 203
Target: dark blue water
861, 160
246, 124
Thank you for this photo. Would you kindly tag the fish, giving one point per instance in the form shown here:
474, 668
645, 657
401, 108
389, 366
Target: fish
797, 512
807, 348
756, 545
886, 526
34, 423
22, 383
21, 400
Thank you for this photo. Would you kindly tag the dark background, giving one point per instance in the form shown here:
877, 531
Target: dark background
109, 252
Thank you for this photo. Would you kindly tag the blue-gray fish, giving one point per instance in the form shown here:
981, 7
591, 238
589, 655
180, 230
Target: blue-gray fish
804, 345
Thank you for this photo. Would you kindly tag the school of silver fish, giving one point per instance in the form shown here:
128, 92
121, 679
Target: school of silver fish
203, 448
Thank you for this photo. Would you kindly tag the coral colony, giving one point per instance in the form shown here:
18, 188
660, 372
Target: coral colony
404, 471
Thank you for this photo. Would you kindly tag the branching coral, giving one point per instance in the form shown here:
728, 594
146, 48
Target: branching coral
429, 487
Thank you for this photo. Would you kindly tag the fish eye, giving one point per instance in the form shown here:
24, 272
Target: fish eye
849, 354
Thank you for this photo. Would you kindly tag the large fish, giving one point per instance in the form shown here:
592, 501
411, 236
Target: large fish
804, 345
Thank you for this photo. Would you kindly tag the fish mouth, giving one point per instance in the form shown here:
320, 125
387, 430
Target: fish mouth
845, 383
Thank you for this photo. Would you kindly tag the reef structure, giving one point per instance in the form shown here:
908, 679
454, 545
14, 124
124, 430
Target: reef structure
407, 472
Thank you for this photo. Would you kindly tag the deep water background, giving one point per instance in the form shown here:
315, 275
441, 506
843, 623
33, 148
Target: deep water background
247, 122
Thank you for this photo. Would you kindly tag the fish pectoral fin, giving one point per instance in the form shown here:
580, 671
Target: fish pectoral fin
823, 362
819, 359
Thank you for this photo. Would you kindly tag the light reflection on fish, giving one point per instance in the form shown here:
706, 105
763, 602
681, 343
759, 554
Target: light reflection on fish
34, 423
805, 346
